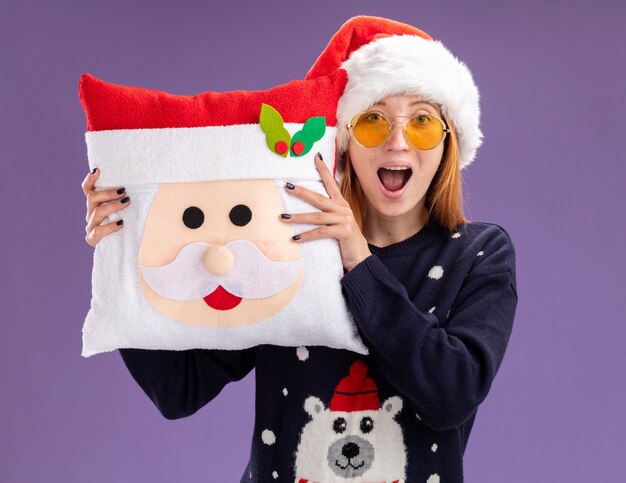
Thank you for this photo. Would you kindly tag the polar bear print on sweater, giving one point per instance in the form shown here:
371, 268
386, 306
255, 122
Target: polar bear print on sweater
355, 439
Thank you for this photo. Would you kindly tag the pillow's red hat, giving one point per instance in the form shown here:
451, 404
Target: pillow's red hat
140, 136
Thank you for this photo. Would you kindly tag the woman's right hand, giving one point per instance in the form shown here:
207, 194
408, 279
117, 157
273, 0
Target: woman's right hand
101, 204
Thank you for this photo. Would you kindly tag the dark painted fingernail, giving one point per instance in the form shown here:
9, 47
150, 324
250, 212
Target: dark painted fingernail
296, 237
125, 200
285, 216
119, 222
320, 155
94, 170
290, 186
120, 191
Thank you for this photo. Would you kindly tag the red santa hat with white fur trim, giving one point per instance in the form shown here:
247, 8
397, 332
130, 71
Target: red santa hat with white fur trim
142, 136
382, 58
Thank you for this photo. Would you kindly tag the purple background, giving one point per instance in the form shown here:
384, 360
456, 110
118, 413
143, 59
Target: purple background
551, 171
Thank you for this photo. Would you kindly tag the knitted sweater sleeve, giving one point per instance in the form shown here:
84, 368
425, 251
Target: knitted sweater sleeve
179, 383
444, 369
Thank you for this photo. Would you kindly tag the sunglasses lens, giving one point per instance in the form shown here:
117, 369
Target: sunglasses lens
424, 132
370, 129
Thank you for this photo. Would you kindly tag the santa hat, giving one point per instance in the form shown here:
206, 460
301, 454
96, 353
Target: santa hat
143, 136
356, 392
382, 58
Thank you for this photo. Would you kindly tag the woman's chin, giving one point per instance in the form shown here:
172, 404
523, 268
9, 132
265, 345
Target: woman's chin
404, 204
394, 209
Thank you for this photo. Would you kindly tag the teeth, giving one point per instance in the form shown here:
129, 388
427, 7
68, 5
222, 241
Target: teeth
396, 168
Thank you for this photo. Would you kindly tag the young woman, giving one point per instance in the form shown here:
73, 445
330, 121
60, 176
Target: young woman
433, 295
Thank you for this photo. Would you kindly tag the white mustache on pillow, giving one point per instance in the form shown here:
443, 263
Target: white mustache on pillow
253, 275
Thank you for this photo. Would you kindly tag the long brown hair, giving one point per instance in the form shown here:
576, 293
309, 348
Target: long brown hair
444, 198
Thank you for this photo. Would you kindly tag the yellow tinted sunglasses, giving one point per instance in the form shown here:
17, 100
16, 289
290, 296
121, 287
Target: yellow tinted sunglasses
372, 128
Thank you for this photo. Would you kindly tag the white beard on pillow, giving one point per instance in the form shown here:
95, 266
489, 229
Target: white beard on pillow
204, 260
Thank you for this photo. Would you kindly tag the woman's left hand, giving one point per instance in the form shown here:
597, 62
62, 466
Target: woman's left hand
336, 218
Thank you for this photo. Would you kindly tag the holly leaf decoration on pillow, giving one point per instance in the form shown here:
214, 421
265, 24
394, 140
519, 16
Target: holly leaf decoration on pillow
280, 141
313, 130
277, 137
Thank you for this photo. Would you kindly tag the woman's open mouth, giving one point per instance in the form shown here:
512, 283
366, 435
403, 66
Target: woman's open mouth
393, 180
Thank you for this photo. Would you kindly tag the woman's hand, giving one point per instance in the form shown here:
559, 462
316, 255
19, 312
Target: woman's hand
101, 204
336, 218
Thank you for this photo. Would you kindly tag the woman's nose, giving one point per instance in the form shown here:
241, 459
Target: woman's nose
218, 260
396, 140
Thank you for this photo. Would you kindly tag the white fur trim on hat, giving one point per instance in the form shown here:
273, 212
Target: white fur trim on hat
408, 64
179, 155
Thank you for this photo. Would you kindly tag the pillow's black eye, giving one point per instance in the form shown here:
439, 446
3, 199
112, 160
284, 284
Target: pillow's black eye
240, 215
367, 424
193, 217
339, 425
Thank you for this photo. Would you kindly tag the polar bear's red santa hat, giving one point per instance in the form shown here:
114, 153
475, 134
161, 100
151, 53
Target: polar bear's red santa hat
356, 391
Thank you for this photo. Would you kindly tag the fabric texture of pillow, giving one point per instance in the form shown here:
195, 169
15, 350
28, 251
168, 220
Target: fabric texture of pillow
203, 259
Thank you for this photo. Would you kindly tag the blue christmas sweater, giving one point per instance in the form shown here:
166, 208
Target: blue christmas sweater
436, 312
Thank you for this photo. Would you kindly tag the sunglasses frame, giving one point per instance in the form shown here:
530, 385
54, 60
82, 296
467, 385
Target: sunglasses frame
351, 124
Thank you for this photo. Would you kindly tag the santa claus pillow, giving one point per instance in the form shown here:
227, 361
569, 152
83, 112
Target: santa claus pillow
203, 260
